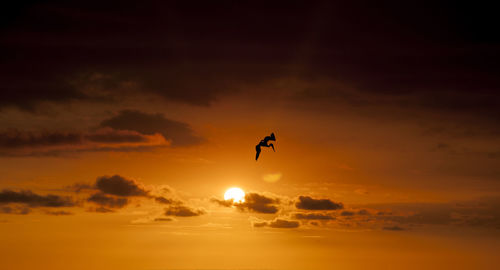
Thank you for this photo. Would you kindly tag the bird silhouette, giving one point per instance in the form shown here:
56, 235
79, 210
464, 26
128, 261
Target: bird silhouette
264, 144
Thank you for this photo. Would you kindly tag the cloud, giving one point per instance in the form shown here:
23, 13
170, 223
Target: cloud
179, 133
393, 228
481, 212
106, 195
258, 203
363, 212
108, 201
13, 139
114, 192
422, 214
277, 223
272, 177
347, 213
34, 200
308, 203
163, 219
109, 135
225, 203
183, 211
163, 200
79, 187
50, 143
254, 202
400, 215
58, 213
466, 151
314, 216
16, 210
100, 210
120, 186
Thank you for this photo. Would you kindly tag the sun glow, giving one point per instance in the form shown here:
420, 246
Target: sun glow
236, 194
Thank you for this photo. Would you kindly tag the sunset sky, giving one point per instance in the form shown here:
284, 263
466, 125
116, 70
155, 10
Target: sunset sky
123, 124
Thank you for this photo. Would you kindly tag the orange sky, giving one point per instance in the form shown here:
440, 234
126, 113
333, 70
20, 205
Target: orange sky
414, 215
121, 128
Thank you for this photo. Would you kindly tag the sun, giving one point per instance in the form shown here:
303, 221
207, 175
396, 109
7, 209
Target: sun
236, 194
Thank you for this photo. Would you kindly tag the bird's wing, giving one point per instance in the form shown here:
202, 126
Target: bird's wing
257, 149
269, 138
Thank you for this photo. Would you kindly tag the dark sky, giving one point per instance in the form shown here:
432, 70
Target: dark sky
434, 56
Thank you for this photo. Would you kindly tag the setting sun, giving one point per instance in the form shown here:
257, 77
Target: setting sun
236, 194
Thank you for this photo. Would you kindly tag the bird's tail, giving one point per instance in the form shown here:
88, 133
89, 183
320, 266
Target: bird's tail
272, 145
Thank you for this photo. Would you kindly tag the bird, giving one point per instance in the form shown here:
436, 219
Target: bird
264, 144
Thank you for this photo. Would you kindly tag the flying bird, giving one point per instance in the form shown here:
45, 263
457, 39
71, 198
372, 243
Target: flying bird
264, 143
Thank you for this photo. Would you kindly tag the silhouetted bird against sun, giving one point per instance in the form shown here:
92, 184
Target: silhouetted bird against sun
264, 143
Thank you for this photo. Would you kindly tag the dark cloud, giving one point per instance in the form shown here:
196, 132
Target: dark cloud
402, 215
282, 223
158, 64
258, 203
120, 186
444, 62
58, 213
260, 224
225, 203
363, 212
347, 213
466, 151
393, 228
163, 200
482, 212
116, 136
308, 203
34, 200
16, 210
179, 133
5, 209
315, 216
278, 223
25, 143
183, 211
21, 139
163, 219
79, 187
101, 209
18, 139
113, 192
422, 214
108, 201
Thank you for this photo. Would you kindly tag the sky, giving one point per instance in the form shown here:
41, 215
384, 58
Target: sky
122, 125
